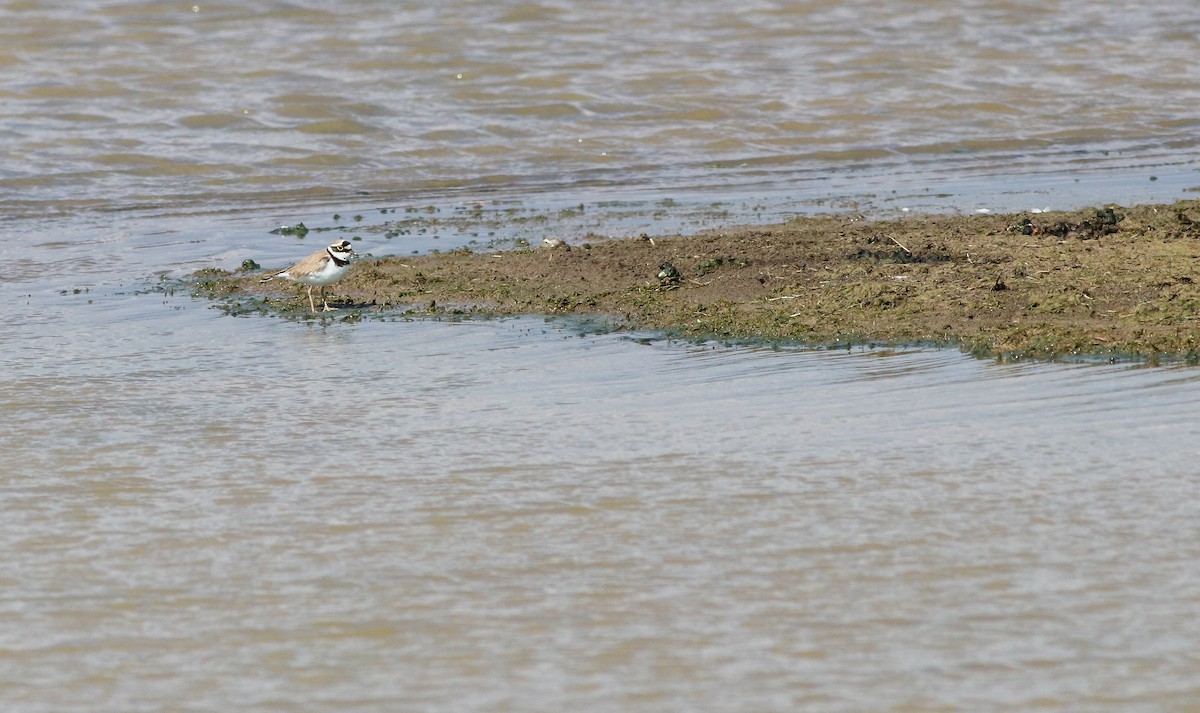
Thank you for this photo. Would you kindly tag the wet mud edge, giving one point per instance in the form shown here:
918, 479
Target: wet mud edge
1103, 281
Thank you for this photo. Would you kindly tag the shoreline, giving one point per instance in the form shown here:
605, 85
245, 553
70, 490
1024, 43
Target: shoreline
1110, 282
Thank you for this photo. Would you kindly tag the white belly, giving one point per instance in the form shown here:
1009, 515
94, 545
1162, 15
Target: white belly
327, 275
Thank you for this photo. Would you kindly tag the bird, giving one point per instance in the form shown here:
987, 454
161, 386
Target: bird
324, 267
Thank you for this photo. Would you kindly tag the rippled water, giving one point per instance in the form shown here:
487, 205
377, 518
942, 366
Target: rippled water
509, 516
117, 104
206, 513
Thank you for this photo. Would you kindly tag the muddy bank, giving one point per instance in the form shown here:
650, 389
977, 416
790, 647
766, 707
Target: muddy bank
1111, 281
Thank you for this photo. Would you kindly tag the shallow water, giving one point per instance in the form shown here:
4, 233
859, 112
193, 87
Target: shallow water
510, 515
207, 513
114, 104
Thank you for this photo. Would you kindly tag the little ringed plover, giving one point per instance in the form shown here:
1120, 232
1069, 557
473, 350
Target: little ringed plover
324, 267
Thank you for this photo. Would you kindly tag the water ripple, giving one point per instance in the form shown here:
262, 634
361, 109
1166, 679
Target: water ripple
225, 95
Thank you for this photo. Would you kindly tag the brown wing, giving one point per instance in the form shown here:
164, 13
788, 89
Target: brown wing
309, 265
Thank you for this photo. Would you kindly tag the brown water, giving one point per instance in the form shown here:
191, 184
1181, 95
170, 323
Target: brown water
209, 514
118, 104
509, 516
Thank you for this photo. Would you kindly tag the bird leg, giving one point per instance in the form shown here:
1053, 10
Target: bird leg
327, 307
311, 306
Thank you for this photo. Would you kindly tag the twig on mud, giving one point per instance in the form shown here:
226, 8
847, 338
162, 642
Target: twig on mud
902, 246
784, 297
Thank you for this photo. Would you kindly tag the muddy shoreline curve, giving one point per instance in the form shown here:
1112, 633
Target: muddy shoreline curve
1108, 281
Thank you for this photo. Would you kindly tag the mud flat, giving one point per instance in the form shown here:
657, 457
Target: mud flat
1103, 282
